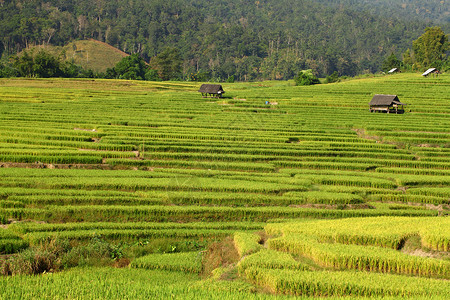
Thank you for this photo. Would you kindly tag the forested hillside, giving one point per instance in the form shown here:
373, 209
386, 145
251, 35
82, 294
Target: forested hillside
265, 39
429, 10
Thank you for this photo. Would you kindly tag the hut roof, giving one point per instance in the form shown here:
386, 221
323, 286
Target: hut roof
430, 70
211, 89
393, 70
385, 100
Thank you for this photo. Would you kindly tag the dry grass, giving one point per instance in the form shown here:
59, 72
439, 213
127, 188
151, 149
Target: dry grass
90, 54
219, 254
413, 246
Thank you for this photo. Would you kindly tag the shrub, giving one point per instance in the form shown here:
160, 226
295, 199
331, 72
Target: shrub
306, 77
58, 254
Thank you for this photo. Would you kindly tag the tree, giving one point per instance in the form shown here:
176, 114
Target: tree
71, 70
224, 38
24, 63
6, 69
151, 75
391, 62
168, 64
46, 65
110, 73
131, 67
306, 77
430, 47
332, 78
408, 58
42, 64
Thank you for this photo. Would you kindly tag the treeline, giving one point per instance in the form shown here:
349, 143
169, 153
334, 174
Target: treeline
40, 63
429, 50
428, 10
217, 39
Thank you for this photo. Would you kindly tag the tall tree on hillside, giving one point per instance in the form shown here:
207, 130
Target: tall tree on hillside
24, 63
391, 62
46, 65
42, 64
131, 67
273, 39
306, 77
431, 47
168, 64
408, 58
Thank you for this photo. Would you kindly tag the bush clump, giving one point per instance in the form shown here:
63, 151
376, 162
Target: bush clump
306, 77
58, 254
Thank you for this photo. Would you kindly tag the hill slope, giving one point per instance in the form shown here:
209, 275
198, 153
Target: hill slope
423, 10
94, 55
266, 39
90, 54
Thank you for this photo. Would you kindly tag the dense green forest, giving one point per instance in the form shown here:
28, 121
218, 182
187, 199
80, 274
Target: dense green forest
265, 39
429, 10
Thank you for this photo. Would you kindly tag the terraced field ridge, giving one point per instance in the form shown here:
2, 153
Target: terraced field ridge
230, 197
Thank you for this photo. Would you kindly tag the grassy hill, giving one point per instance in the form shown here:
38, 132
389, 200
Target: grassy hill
90, 54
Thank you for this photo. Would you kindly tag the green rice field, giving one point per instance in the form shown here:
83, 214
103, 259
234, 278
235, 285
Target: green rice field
224, 198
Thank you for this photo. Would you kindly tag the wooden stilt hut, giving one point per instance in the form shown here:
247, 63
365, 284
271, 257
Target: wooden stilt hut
211, 90
386, 104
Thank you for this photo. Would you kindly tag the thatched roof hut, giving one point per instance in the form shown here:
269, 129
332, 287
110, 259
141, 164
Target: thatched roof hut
386, 103
213, 90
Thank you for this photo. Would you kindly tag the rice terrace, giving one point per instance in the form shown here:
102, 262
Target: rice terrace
118, 189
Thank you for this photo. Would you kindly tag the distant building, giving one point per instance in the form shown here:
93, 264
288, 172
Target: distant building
212, 90
431, 71
386, 104
394, 70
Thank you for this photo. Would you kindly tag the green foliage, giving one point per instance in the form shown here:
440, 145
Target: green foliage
408, 58
332, 78
391, 62
35, 260
190, 262
199, 76
168, 64
7, 70
230, 79
71, 70
10, 242
96, 253
24, 64
46, 65
131, 67
43, 64
271, 259
151, 75
56, 254
431, 47
306, 77
275, 43
247, 243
